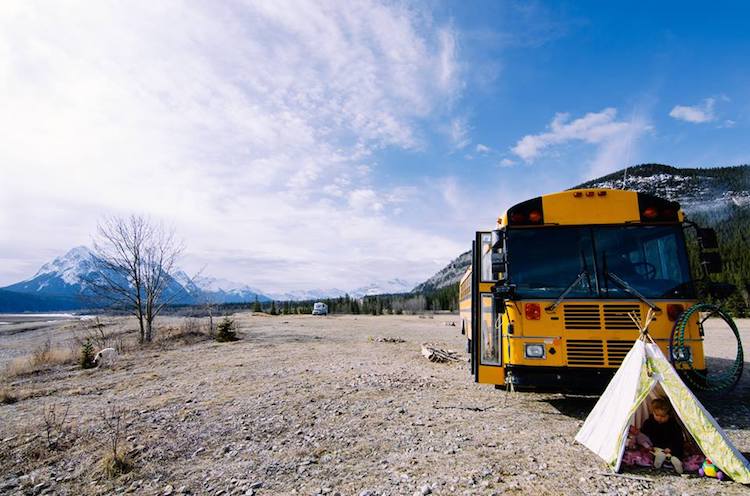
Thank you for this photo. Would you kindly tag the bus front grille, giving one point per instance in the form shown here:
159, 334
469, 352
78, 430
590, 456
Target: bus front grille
584, 352
617, 317
581, 316
616, 351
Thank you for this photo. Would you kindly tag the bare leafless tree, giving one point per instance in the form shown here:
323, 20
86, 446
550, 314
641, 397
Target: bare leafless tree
134, 258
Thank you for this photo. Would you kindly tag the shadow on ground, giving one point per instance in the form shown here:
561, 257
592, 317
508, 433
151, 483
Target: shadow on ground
577, 407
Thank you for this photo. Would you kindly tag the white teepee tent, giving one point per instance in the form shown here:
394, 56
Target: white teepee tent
644, 368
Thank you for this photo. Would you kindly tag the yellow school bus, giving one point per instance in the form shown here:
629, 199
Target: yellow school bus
546, 303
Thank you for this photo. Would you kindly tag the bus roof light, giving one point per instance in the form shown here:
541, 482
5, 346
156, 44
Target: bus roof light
578, 194
526, 213
602, 193
650, 213
654, 209
589, 194
517, 218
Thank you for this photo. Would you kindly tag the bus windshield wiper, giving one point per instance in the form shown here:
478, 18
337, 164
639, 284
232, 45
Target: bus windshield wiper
630, 289
584, 273
579, 278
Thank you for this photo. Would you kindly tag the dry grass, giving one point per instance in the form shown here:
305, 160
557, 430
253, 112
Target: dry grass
7, 397
41, 359
190, 331
114, 466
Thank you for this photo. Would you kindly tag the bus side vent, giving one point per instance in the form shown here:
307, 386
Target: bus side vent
616, 351
616, 316
582, 352
581, 316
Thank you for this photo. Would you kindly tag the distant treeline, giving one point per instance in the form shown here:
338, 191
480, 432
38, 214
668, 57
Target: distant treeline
443, 299
732, 227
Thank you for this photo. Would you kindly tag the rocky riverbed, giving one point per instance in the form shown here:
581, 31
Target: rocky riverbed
311, 405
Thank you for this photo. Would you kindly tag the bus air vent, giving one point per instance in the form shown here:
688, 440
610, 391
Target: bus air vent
616, 316
581, 316
616, 351
584, 352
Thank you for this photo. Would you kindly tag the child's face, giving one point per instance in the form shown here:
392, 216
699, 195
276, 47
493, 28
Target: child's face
661, 416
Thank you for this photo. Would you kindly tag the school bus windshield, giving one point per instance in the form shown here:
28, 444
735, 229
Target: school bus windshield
546, 261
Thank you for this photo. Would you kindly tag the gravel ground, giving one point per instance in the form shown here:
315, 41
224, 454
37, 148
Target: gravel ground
312, 405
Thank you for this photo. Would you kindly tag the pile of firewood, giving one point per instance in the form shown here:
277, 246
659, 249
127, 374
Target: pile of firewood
389, 340
434, 354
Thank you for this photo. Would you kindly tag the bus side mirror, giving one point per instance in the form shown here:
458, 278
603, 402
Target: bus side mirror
500, 295
707, 239
712, 262
499, 265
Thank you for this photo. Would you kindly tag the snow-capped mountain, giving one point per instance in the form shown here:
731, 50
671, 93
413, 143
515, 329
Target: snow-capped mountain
392, 286
697, 191
66, 283
203, 288
310, 294
62, 276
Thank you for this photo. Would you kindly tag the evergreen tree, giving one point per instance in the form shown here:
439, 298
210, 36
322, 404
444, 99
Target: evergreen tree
86, 361
225, 330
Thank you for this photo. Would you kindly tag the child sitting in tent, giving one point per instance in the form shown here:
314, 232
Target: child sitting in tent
665, 434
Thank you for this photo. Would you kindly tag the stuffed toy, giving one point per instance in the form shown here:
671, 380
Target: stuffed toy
637, 438
660, 457
708, 469
638, 449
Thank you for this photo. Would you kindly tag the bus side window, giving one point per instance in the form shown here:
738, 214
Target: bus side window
486, 259
490, 333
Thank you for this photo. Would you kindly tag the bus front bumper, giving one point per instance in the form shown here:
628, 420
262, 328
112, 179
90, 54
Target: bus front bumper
559, 379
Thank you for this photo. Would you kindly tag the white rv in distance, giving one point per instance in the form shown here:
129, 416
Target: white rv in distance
320, 309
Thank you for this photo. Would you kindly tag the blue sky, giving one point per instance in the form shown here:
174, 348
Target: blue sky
317, 144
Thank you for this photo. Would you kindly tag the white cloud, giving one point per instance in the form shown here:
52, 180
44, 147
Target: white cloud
244, 124
614, 138
697, 114
459, 133
365, 200
506, 162
483, 148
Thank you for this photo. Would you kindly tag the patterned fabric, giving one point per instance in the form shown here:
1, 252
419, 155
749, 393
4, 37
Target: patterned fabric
644, 368
704, 429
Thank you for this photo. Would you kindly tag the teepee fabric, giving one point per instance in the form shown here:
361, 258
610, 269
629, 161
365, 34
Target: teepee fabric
645, 367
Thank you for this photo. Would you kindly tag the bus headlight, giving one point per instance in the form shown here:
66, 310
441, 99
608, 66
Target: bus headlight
534, 350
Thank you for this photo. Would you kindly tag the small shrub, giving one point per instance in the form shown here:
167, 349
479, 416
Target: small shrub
225, 330
115, 462
7, 397
86, 360
116, 465
55, 426
42, 353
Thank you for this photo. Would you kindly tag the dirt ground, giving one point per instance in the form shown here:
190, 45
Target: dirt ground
312, 405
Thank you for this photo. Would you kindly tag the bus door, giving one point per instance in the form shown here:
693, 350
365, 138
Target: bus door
486, 338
